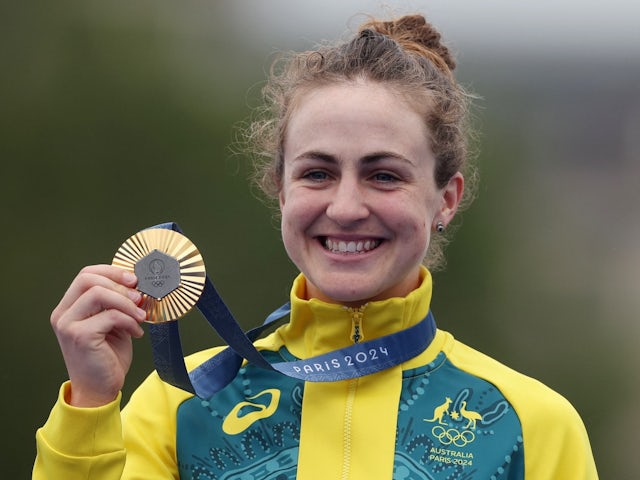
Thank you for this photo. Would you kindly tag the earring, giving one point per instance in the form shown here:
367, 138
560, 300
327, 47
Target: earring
439, 227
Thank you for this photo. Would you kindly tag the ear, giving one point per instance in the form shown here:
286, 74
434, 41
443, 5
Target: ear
281, 199
451, 196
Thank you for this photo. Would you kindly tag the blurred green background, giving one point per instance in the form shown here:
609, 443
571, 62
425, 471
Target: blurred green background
118, 115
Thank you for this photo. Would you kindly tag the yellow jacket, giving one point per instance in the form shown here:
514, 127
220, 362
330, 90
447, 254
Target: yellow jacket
449, 413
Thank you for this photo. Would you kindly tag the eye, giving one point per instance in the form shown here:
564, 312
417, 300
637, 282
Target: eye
385, 177
316, 175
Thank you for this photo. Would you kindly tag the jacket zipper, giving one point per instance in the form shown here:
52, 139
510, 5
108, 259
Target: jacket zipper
357, 335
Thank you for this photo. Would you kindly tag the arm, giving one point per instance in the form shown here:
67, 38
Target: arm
102, 443
80, 443
556, 443
94, 323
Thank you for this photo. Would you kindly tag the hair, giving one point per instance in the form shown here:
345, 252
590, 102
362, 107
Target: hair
406, 55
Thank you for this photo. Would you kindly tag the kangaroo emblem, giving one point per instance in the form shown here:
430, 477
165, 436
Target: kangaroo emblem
469, 415
440, 411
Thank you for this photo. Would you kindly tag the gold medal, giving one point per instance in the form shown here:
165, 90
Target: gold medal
170, 271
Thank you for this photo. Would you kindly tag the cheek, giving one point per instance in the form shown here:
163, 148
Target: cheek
294, 223
422, 234
413, 216
289, 211
285, 206
298, 206
288, 235
295, 216
286, 222
415, 221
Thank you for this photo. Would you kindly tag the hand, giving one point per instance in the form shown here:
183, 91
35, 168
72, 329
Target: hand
94, 323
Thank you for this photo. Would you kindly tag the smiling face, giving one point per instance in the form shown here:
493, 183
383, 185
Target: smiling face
358, 197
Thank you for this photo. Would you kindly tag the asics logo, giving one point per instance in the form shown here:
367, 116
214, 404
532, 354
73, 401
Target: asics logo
238, 421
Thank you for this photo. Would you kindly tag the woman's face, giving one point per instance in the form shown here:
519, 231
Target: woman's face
358, 196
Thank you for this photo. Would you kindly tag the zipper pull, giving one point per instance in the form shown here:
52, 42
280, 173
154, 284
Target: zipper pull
357, 332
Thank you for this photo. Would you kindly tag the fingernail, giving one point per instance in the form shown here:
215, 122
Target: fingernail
141, 314
134, 295
129, 277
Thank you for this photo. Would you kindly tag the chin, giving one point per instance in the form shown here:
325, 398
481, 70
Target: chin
345, 296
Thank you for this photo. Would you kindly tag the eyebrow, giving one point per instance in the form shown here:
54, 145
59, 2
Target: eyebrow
367, 159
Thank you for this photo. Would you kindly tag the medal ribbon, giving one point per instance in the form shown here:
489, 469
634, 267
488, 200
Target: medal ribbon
210, 377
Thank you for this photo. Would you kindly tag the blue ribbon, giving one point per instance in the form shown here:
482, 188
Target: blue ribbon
211, 376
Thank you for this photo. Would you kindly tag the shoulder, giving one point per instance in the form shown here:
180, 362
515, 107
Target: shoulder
522, 391
551, 427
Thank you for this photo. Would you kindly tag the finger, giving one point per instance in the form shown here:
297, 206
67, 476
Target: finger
98, 299
117, 274
107, 276
114, 323
89, 334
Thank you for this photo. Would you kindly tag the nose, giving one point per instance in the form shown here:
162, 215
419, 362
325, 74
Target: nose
348, 203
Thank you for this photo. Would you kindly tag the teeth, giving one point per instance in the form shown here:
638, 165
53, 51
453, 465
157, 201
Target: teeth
350, 247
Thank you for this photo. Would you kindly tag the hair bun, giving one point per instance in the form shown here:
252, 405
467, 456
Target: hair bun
414, 33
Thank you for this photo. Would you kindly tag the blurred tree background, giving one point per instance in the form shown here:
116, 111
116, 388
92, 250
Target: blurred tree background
119, 115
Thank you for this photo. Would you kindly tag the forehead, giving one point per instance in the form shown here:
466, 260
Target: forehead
353, 112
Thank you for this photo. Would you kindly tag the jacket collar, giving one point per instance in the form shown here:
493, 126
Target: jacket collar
317, 327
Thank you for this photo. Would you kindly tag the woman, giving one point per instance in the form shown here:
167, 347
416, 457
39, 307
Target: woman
367, 159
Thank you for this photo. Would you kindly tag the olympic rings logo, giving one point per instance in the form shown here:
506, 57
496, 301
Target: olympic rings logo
157, 283
448, 436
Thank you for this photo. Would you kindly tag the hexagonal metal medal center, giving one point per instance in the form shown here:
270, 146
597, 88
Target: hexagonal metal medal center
158, 274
